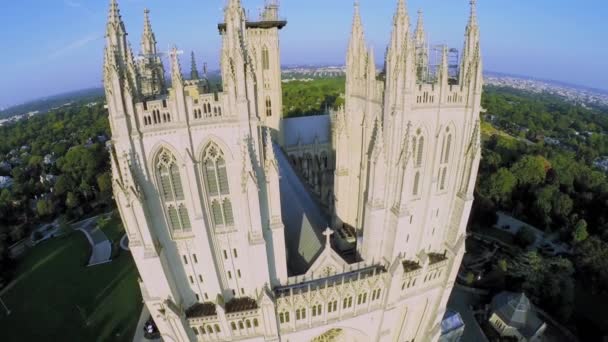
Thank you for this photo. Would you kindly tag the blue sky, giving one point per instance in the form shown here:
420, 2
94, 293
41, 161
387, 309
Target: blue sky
53, 46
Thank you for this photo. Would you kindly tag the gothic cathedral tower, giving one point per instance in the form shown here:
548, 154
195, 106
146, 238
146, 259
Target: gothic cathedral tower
408, 148
194, 174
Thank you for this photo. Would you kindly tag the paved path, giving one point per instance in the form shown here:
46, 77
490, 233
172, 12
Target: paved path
101, 247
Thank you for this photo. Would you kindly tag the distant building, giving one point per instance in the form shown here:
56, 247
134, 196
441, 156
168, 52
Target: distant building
512, 315
5, 182
452, 327
49, 159
5, 166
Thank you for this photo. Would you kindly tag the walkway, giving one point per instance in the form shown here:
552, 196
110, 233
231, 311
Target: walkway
101, 247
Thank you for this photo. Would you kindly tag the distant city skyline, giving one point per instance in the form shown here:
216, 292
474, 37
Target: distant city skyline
541, 39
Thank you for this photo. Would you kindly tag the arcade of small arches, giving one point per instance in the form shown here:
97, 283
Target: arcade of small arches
316, 168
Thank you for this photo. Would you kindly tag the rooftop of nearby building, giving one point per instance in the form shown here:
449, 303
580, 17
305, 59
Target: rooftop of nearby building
515, 310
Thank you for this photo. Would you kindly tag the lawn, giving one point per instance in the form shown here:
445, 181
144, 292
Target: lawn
57, 298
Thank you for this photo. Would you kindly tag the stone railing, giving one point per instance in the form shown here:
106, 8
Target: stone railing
208, 107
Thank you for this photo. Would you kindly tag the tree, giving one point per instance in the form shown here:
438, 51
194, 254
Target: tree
72, 200
562, 205
104, 183
580, 234
44, 207
470, 279
525, 237
501, 185
502, 265
530, 170
592, 260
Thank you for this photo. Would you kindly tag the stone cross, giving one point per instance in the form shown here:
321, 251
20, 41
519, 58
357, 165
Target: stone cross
328, 233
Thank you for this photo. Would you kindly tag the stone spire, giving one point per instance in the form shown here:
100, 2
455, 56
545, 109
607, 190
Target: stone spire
148, 39
357, 54
471, 45
115, 28
176, 69
401, 27
271, 158
420, 34
357, 37
193, 70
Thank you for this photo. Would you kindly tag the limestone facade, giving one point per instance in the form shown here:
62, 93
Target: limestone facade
198, 183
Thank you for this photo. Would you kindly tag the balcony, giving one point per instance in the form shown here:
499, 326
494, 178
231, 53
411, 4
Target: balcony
201, 310
241, 304
435, 258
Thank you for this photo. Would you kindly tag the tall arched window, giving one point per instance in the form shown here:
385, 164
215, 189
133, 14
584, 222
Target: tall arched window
420, 152
268, 106
416, 184
216, 179
265, 59
172, 193
448, 146
445, 159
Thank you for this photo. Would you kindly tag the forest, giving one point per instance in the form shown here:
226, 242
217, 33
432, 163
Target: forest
59, 166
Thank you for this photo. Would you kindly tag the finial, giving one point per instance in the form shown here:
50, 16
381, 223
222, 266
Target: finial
147, 25
114, 12
328, 233
473, 10
420, 25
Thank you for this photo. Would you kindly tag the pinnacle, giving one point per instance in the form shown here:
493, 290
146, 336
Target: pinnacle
194, 71
420, 25
114, 12
270, 157
147, 25
473, 17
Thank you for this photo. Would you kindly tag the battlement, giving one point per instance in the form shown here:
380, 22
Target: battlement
200, 109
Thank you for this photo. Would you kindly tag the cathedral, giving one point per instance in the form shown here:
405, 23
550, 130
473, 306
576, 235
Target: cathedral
348, 226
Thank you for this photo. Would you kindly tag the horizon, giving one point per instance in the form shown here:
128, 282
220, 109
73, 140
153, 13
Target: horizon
541, 54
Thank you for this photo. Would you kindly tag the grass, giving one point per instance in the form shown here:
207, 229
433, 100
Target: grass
55, 297
488, 130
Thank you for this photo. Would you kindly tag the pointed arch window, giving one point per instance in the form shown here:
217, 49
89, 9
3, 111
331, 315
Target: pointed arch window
218, 190
172, 192
420, 152
268, 106
265, 58
445, 159
416, 184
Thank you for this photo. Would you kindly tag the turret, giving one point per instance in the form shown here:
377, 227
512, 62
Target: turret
422, 51
120, 76
193, 69
471, 45
356, 50
150, 65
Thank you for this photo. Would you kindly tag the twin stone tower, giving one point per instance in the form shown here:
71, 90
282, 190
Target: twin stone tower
230, 242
